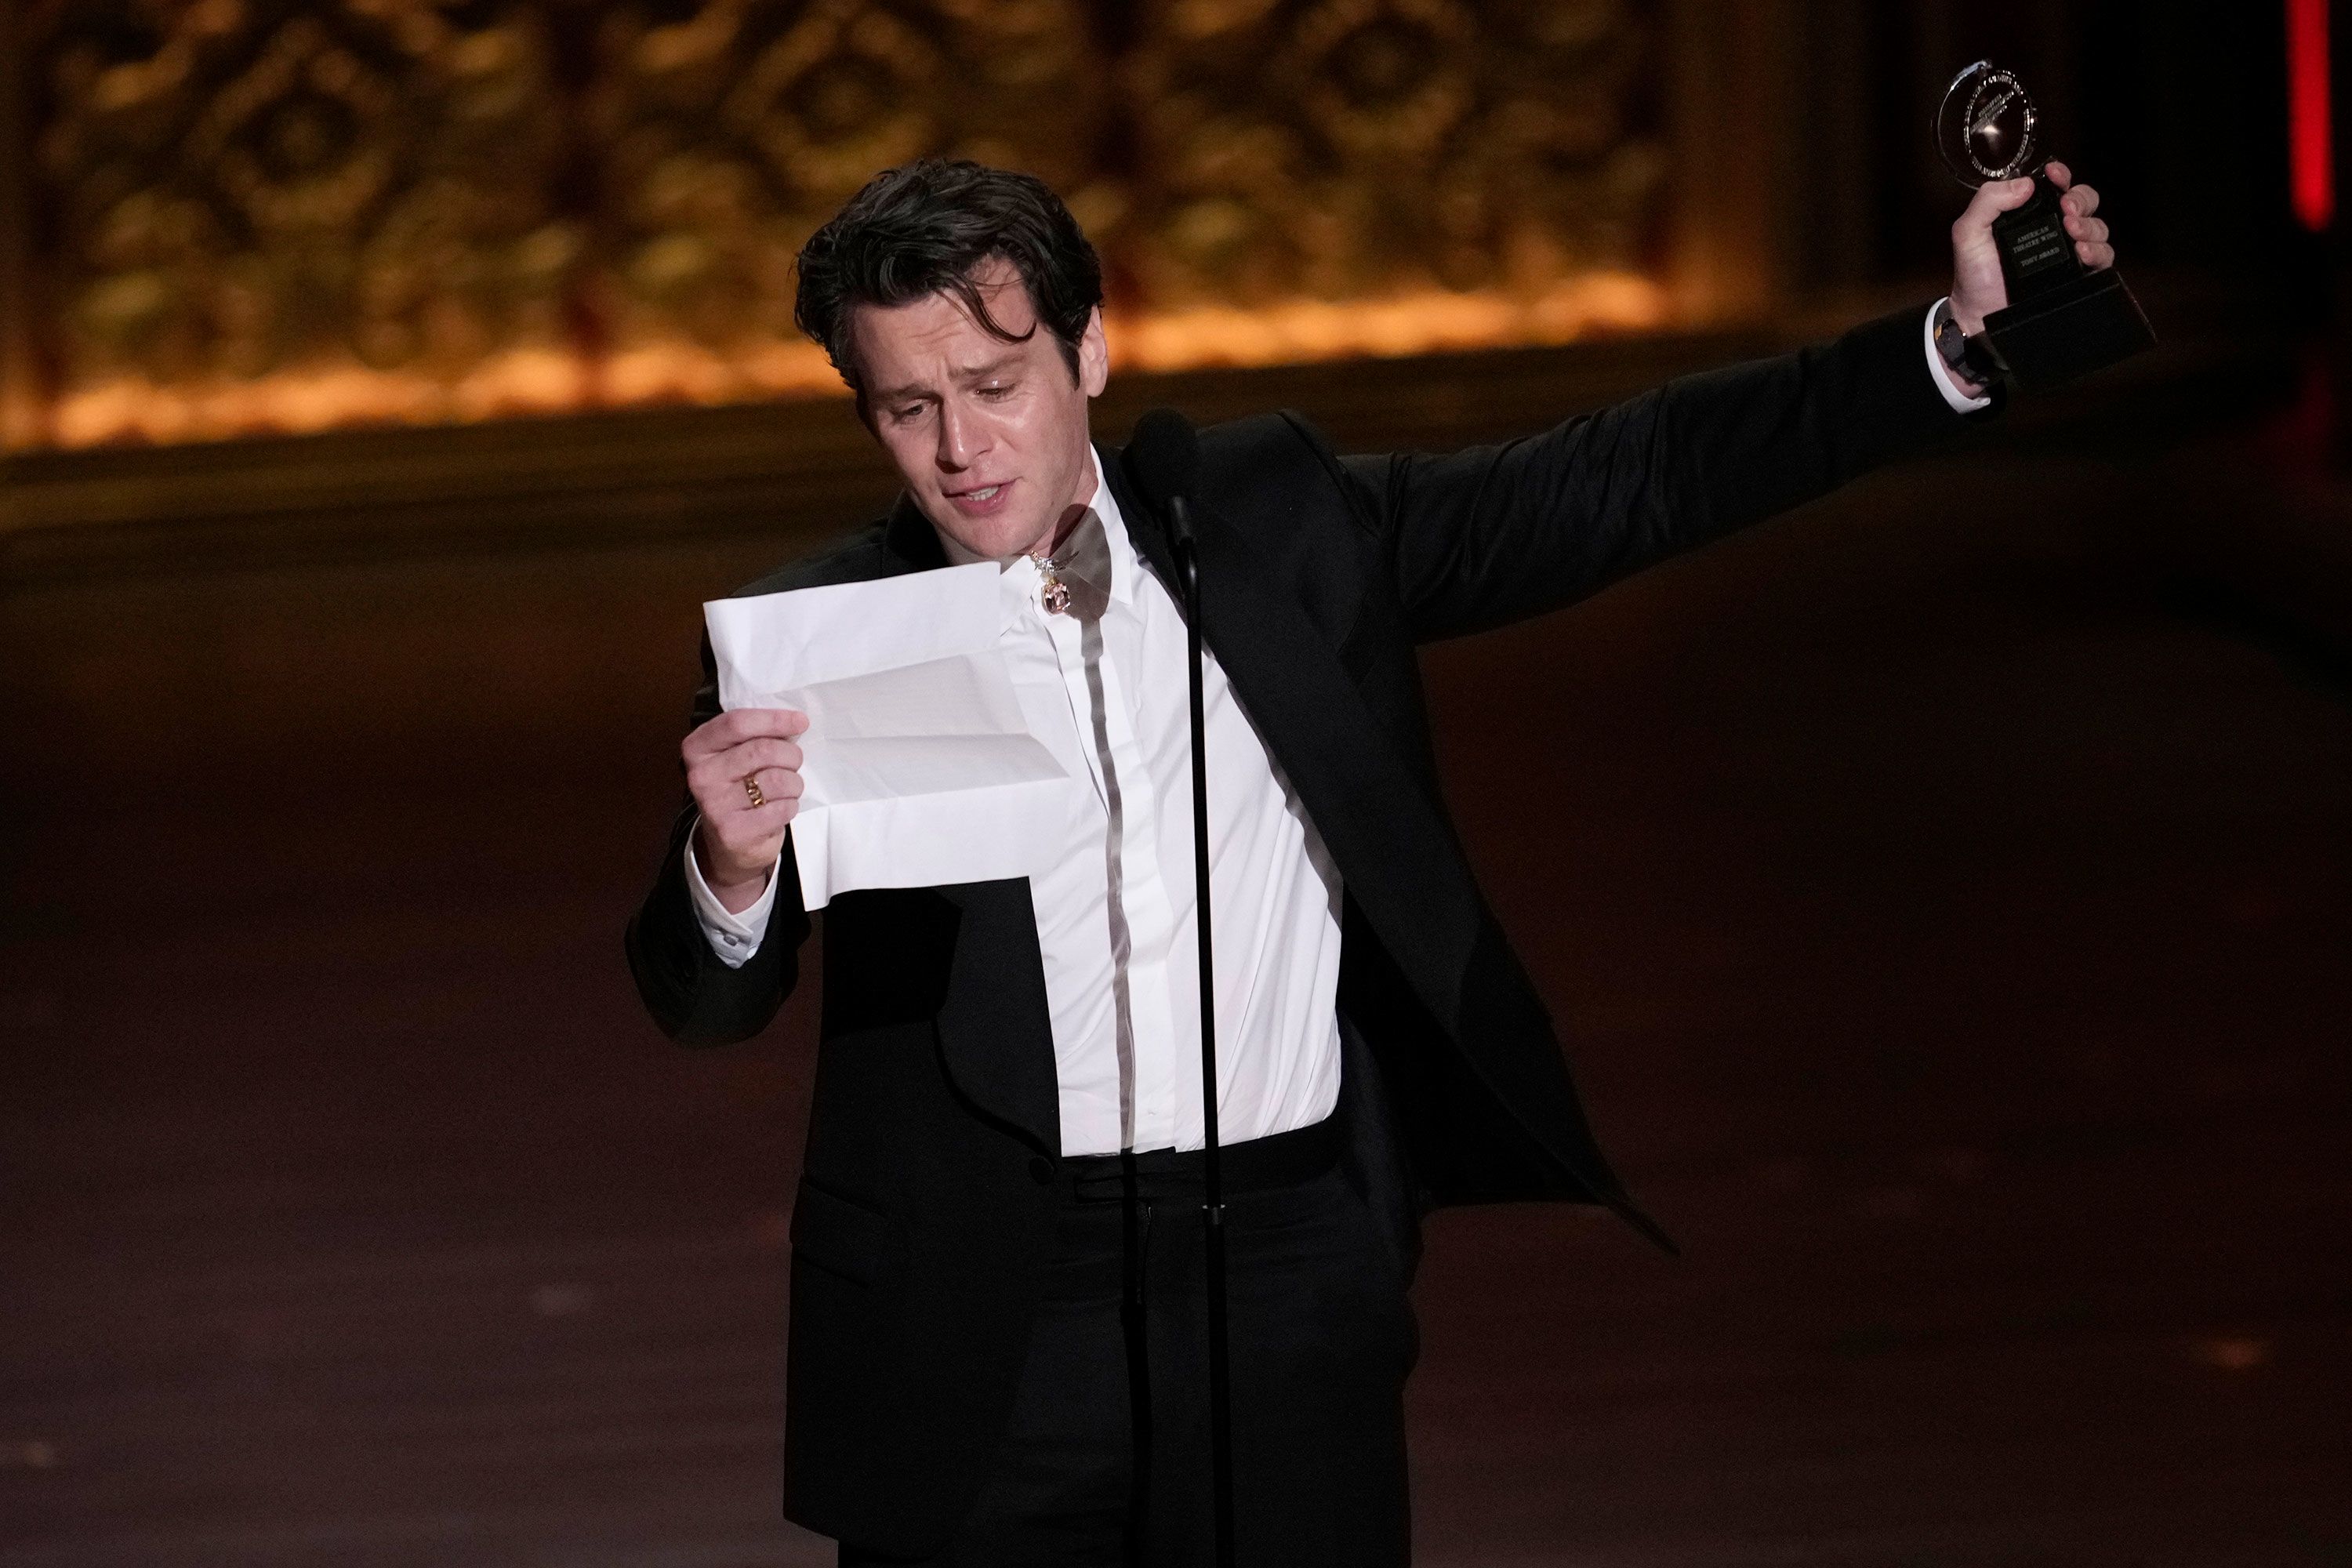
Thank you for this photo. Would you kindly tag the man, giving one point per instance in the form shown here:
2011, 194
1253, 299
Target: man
996, 1310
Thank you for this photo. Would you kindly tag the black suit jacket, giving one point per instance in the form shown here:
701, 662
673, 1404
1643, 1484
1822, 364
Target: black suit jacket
924, 1214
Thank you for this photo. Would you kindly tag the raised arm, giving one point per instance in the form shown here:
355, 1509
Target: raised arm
1492, 534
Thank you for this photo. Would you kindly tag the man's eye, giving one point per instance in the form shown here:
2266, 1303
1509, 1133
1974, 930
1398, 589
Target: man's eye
906, 413
996, 391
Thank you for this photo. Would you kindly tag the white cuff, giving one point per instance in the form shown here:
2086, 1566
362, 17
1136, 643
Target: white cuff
733, 937
1960, 401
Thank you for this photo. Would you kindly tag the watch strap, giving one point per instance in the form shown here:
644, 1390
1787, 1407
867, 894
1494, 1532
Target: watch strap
1966, 356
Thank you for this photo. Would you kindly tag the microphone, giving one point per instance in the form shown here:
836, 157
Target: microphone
1164, 460
1164, 455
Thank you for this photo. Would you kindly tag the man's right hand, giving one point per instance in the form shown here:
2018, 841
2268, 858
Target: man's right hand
738, 844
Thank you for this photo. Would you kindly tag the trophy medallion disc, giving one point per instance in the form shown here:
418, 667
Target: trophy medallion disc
1988, 129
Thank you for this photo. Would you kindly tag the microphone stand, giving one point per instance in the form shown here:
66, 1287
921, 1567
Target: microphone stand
1212, 1204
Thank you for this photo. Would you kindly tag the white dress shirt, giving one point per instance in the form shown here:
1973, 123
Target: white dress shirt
1114, 914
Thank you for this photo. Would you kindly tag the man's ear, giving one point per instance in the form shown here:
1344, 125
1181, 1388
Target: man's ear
1094, 356
850, 377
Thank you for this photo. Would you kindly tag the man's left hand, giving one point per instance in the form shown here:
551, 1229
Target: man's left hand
1977, 287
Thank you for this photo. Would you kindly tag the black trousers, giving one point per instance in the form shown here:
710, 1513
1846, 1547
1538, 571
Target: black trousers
1104, 1460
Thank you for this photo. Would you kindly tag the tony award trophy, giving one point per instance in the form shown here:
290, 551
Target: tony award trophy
2063, 318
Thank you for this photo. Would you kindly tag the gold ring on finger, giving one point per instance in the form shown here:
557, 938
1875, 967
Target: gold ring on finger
751, 788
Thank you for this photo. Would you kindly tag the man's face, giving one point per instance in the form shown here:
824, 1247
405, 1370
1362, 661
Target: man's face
990, 436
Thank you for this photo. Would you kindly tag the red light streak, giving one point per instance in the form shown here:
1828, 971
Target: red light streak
2311, 138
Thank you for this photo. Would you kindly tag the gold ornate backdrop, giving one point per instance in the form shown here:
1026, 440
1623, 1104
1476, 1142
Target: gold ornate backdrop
238, 216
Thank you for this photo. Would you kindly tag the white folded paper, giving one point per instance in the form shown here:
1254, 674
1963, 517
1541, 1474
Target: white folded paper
919, 767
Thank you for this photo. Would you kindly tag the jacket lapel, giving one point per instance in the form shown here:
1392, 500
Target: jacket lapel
1390, 843
996, 1023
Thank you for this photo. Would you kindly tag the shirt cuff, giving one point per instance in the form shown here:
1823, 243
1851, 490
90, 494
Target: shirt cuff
734, 938
1960, 401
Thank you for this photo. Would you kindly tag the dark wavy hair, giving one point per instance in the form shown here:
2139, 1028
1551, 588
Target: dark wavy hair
926, 227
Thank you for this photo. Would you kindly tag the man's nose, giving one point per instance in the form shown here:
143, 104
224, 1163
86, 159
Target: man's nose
961, 440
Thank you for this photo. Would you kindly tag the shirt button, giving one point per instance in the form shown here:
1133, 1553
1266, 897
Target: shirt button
1041, 1170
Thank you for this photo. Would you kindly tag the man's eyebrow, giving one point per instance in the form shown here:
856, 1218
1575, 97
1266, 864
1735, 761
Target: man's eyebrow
966, 372
988, 367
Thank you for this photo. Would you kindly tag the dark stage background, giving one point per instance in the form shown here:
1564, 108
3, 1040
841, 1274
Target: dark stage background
1945, 890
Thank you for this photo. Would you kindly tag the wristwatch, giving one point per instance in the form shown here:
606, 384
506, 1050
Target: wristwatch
1970, 358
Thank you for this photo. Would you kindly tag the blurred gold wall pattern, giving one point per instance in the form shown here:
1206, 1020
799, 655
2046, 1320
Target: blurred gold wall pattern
244, 215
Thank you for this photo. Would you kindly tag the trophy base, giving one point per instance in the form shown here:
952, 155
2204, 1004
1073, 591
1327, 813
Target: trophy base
2083, 324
